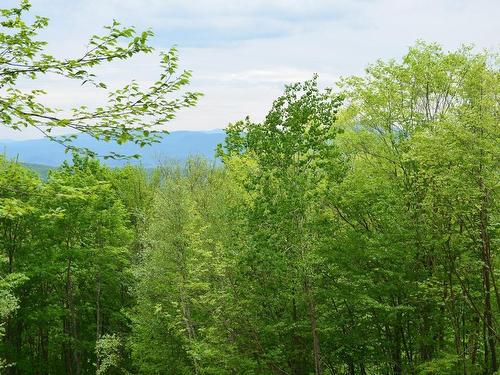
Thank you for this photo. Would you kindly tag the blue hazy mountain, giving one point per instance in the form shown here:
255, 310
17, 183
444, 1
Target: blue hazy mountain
177, 145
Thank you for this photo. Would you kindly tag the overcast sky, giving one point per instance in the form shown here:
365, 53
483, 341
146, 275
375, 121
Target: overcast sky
243, 52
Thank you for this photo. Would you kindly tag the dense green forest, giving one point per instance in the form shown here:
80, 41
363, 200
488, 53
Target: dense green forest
353, 231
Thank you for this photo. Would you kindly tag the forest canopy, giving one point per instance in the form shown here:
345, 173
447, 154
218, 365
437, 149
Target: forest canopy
352, 231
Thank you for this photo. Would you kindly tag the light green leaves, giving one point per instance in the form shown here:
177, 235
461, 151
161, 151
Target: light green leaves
126, 113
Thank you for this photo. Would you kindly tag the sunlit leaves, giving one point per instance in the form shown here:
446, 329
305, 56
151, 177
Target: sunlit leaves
127, 112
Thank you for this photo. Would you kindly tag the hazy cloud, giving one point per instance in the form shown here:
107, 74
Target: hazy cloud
243, 52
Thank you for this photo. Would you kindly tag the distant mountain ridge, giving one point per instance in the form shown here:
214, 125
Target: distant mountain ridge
42, 170
178, 145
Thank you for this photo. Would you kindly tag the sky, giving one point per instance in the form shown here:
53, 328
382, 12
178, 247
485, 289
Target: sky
243, 52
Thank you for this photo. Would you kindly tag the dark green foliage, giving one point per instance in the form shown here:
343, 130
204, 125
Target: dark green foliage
354, 237
70, 238
348, 233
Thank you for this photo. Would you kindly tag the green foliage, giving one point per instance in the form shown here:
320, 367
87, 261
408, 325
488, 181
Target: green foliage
131, 113
351, 232
440, 366
9, 303
108, 352
69, 236
353, 236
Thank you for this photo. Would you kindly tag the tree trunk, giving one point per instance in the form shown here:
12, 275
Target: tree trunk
44, 349
351, 369
396, 352
72, 329
490, 340
297, 362
98, 322
362, 369
314, 327
487, 273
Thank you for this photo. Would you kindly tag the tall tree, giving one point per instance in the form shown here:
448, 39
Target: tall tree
428, 125
75, 255
295, 157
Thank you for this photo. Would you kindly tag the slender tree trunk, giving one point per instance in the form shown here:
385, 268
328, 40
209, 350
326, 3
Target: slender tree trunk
314, 327
12, 338
44, 350
75, 355
490, 340
350, 366
487, 273
474, 340
298, 364
98, 323
13, 335
67, 350
362, 369
186, 315
186, 304
396, 352
310, 302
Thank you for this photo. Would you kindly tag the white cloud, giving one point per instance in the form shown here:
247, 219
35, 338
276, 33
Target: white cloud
243, 52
